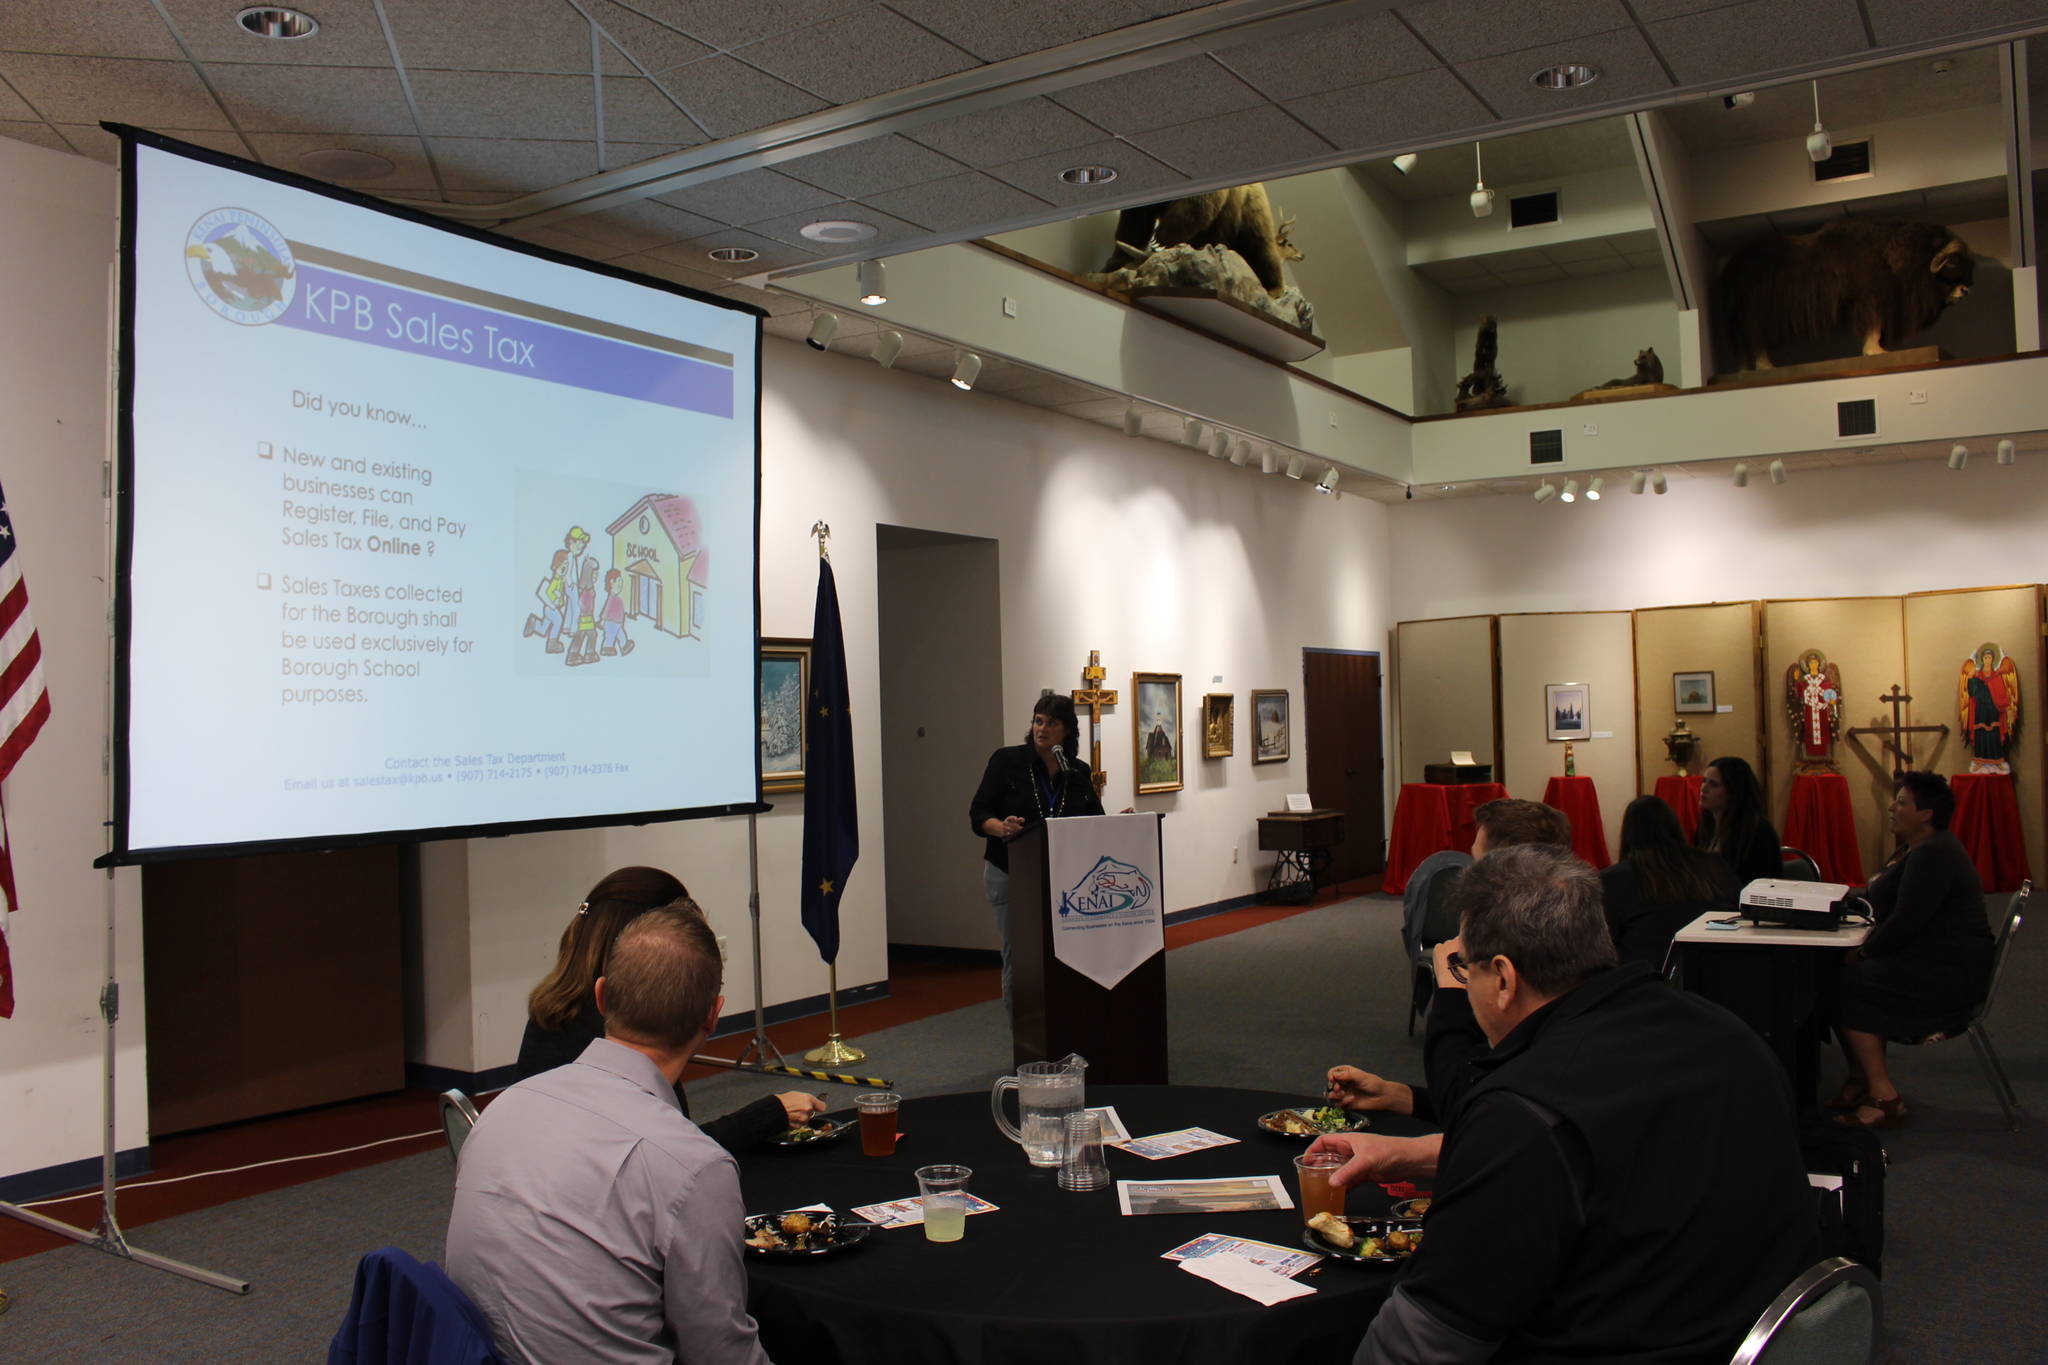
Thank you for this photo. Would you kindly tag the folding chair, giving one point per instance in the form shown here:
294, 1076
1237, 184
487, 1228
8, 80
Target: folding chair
1828, 1316
1974, 1027
458, 1116
1425, 922
1797, 865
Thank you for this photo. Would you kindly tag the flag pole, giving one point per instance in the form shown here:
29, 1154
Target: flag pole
834, 1051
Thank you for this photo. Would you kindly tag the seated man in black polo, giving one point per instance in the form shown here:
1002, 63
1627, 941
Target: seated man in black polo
1622, 1180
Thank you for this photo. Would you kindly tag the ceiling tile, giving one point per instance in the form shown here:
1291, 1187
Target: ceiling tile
636, 110
1136, 173
1160, 96
670, 271
38, 134
349, 34
1392, 114
1906, 21
789, 228
1725, 44
1650, 11
407, 156
1596, 265
88, 89
860, 169
729, 97
641, 226
491, 35
495, 104
729, 23
1517, 258
748, 197
969, 200
775, 301
1535, 274
1585, 249
655, 47
1627, 68
1463, 31
1643, 239
96, 142
312, 99
525, 165
1356, 52
12, 106
618, 155
557, 240
857, 55
1243, 143
774, 255
1477, 284
1457, 268
1646, 260
87, 28
1010, 29
1008, 132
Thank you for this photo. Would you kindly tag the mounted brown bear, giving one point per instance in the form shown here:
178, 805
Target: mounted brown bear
1240, 218
1876, 279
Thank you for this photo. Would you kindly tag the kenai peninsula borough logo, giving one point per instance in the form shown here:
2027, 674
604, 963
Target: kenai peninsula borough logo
1106, 889
240, 266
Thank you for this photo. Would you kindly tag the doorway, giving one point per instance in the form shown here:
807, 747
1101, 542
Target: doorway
1342, 737
939, 623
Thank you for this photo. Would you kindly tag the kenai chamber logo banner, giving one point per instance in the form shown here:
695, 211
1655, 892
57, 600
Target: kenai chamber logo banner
1109, 888
240, 266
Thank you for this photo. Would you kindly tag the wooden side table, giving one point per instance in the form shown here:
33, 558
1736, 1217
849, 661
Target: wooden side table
1303, 839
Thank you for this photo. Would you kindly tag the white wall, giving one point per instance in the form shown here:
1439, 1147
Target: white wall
1562, 338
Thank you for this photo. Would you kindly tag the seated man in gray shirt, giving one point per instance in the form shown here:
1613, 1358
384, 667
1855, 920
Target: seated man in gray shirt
592, 1221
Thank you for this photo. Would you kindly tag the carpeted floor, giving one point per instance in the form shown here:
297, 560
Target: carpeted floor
1270, 1006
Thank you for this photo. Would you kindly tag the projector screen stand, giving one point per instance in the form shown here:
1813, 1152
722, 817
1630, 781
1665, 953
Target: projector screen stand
760, 1048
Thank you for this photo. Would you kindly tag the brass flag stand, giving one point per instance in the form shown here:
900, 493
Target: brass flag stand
834, 1051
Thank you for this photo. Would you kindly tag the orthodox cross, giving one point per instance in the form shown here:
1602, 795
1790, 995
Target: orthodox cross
1892, 735
1093, 695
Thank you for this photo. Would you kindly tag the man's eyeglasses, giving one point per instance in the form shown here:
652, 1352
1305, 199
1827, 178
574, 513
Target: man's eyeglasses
1459, 968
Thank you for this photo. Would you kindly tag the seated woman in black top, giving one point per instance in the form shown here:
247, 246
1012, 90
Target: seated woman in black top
1660, 885
1927, 963
562, 1017
1732, 822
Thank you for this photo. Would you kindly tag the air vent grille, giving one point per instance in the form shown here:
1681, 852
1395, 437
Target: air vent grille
1856, 417
1546, 447
1533, 210
1848, 161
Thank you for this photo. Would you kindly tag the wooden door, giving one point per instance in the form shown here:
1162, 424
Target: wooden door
1346, 753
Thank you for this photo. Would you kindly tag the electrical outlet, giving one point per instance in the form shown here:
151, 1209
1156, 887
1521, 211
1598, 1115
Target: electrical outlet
1916, 395
1333, 420
1009, 308
1235, 849
1590, 429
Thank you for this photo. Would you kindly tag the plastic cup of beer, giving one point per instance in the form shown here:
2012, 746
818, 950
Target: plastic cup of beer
878, 1121
1312, 1171
944, 1192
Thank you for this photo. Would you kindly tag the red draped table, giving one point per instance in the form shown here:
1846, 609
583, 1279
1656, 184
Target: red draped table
1819, 821
1682, 794
1987, 820
1428, 818
1580, 801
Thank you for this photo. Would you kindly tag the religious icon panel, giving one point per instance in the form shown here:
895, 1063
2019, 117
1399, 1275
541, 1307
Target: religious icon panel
1988, 704
1813, 703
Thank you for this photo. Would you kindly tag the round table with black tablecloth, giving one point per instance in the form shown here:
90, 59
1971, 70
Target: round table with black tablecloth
1049, 1276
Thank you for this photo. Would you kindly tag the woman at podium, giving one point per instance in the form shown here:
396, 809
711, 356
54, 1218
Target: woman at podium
1041, 779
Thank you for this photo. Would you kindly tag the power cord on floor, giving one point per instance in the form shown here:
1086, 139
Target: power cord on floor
232, 1170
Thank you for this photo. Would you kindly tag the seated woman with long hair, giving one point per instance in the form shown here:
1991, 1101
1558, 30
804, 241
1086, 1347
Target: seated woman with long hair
1732, 822
1661, 883
562, 1016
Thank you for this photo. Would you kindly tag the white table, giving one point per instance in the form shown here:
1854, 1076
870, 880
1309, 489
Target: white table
1777, 980
1771, 935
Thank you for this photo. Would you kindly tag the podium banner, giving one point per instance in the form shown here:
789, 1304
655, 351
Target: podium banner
1106, 900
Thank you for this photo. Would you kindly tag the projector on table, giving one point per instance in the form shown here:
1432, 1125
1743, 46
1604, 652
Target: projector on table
1795, 904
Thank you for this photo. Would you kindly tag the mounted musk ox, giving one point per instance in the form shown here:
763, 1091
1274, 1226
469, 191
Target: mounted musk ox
1241, 219
1878, 279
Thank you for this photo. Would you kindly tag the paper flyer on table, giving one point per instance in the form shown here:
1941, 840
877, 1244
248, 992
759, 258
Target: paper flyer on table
1113, 1130
1242, 1277
1223, 1194
1278, 1259
908, 1213
1179, 1142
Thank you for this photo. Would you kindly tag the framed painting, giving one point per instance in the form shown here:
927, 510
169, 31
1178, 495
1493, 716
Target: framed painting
1569, 711
1155, 731
785, 680
1219, 724
1272, 727
1692, 694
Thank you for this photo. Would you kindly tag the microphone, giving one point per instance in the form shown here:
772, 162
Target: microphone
1061, 751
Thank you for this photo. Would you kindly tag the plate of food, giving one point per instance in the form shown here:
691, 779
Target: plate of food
1408, 1210
818, 1130
1386, 1240
800, 1235
1313, 1123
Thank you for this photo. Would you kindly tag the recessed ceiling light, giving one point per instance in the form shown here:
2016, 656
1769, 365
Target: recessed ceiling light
1565, 76
838, 230
733, 255
272, 21
1088, 175
345, 163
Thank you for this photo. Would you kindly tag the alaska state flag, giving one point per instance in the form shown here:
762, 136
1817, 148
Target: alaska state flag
831, 821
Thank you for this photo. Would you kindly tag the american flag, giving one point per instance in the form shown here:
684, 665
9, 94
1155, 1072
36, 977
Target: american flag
24, 706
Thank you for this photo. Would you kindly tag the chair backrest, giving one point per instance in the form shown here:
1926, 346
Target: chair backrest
1415, 899
2006, 934
1438, 923
1828, 1316
408, 1312
1797, 865
458, 1116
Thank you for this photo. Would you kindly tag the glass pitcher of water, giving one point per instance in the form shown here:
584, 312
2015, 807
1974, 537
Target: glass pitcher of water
1046, 1093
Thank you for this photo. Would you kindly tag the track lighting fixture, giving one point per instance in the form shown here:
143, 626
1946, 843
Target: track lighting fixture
1637, 480
1593, 490
1296, 463
1190, 432
966, 370
1405, 162
1328, 483
1134, 420
888, 347
1658, 484
874, 289
1777, 471
1741, 474
2006, 452
1219, 443
1482, 197
1958, 456
1269, 463
1818, 146
1545, 491
823, 328
1240, 451
1571, 491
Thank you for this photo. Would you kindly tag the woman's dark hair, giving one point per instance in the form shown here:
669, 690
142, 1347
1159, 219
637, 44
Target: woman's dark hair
1731, 833
1053, 706
1668, 870
616, 901
1931, 792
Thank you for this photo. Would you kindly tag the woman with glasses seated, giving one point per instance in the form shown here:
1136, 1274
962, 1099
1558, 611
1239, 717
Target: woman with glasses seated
1661, 883
1926, 964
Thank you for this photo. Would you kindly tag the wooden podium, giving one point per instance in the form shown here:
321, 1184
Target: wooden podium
1057, 1010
